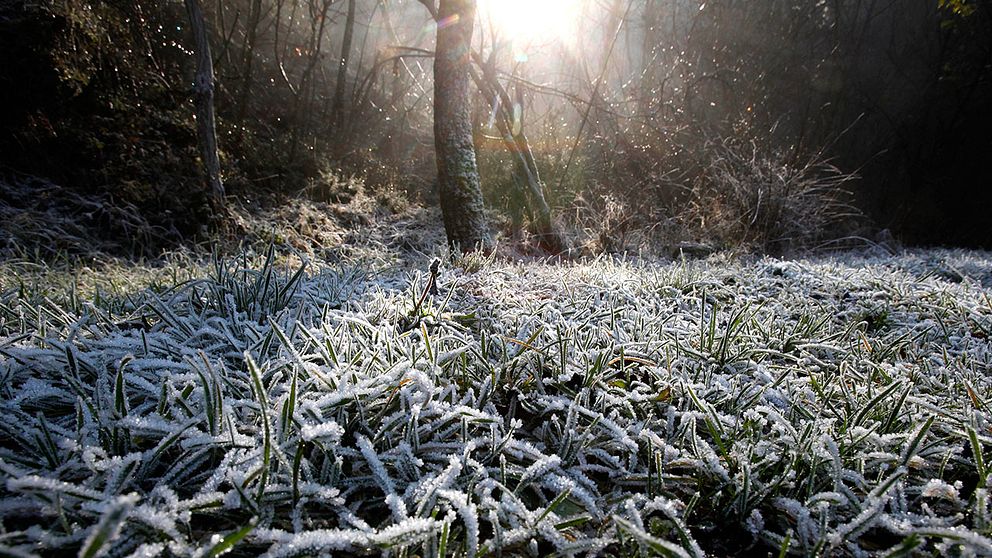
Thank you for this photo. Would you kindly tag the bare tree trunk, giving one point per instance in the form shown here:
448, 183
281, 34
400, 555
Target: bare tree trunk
337, 109
248, 56
525, 170
203, 97
458, 174
306, 89
651, 21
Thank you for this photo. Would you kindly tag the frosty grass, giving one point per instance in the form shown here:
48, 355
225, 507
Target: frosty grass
838, 406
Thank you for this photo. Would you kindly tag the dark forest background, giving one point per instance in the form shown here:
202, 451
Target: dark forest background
765, 123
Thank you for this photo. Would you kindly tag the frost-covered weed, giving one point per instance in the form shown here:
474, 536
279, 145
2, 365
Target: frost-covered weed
609, 407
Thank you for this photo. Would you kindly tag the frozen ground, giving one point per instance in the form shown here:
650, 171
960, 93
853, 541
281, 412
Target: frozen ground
836, 406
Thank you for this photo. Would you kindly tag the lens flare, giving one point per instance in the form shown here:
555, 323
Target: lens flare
532, 23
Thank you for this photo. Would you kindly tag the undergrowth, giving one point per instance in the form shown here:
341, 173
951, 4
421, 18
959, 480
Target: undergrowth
681, 409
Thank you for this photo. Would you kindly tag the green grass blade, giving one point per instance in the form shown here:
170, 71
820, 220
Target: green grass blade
230, 540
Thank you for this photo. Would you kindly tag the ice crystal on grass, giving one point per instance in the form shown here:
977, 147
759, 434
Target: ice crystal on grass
837, 405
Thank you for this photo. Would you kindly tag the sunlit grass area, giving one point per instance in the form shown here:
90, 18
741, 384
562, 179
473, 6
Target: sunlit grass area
837, 405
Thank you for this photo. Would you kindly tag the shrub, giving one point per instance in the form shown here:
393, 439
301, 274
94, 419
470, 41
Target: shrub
771, 200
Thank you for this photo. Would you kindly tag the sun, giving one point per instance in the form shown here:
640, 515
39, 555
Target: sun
529, 23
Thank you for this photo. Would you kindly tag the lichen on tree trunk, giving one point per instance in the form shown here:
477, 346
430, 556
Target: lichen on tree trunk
458, 175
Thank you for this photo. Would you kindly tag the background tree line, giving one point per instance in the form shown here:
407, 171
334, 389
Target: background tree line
723, 120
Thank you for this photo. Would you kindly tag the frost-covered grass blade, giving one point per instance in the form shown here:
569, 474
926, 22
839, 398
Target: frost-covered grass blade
834, 405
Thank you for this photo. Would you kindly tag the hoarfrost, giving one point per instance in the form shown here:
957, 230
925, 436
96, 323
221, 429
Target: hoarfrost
831, 398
